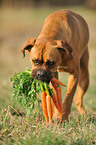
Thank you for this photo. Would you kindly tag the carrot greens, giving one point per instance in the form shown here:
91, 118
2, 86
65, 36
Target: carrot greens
26, 88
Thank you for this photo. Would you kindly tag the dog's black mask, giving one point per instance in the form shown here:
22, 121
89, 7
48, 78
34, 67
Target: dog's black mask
42, 75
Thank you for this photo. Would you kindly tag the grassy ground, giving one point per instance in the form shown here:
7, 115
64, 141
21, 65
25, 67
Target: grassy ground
15, 128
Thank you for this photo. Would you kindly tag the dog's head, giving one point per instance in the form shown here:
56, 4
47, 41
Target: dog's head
46, 56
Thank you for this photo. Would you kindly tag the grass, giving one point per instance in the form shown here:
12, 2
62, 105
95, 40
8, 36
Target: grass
33, 130
17, 128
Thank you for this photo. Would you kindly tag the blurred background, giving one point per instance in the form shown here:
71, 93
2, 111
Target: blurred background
21, 19
32, 3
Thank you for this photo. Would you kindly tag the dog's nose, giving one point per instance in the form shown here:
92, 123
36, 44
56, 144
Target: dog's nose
41, 73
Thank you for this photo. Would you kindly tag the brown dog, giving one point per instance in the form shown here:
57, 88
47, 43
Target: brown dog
62, 46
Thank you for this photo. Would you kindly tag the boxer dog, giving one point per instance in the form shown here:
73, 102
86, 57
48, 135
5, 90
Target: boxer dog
62, 46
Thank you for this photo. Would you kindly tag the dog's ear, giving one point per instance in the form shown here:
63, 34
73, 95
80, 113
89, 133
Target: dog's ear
28, 45
63, 46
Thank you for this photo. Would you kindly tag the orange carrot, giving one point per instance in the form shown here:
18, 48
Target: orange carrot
59, 98
54, 85
48, 100
49, 107
57, 81
44, 106
58, 91
56, 103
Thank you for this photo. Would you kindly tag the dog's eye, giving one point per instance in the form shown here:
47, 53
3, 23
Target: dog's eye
36, 62
50, 63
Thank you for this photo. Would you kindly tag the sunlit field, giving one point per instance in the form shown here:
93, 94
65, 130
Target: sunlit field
16, 25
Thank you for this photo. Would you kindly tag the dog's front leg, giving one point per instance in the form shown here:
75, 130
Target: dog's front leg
66, 107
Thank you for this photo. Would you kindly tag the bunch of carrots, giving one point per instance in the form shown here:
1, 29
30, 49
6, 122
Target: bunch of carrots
26, 87
46, 97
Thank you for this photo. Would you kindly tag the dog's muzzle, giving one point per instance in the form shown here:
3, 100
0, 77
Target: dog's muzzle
42, 75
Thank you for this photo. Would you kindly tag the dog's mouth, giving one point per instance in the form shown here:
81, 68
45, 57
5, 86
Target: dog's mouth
42, 75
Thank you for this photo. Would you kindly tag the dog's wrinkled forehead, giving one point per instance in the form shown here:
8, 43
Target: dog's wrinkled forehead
44, 43
41, 48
